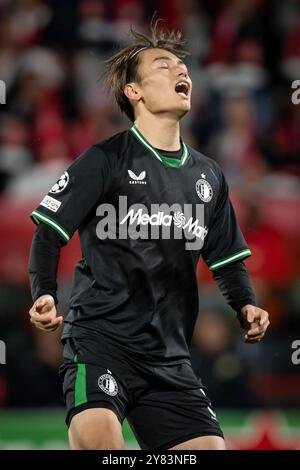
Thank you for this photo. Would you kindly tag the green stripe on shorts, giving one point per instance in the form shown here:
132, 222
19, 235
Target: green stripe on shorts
80, 384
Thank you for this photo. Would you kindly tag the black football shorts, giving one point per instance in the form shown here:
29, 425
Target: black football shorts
164, 405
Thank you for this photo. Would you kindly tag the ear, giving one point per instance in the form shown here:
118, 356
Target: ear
131, 90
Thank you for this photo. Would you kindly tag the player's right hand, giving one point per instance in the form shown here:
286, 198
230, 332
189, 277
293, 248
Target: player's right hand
43, 314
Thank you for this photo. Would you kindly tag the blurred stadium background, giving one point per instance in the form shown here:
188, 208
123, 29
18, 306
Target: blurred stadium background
245, 56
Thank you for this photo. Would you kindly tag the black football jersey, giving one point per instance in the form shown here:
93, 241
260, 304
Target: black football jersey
143, 219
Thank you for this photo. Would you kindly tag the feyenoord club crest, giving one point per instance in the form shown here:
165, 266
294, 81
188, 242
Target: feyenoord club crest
108, 384
204, 189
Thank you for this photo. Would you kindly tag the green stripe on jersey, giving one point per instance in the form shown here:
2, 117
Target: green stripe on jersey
40, 217
240, 255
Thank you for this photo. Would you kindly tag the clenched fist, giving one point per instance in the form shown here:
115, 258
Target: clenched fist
43, 314
256, 321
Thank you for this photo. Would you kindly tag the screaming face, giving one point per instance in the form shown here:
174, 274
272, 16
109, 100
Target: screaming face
165, 86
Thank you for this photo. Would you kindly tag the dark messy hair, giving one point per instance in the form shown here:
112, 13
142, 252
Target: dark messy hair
122, 67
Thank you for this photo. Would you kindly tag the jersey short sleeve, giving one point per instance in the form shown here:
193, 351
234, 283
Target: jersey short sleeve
224, 243
76, 192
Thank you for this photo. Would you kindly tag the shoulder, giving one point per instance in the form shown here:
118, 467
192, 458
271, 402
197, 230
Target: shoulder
114, 144
102, 153
207, 163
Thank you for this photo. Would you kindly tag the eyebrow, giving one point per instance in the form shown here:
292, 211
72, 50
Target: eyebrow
165, 57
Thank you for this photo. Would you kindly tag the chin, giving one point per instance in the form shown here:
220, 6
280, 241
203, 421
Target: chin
186, 105
183, 110
178, 110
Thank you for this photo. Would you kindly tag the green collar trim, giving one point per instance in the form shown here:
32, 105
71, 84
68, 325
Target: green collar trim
171, 162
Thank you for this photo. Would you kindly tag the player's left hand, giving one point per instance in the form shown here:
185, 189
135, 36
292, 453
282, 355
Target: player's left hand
255, 321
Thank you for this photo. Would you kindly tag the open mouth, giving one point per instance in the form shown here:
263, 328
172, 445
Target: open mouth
182, 89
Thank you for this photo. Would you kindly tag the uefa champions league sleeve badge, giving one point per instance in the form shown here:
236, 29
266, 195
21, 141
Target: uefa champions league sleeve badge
61, 184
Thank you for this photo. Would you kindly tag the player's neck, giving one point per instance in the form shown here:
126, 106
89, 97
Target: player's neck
163, 134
